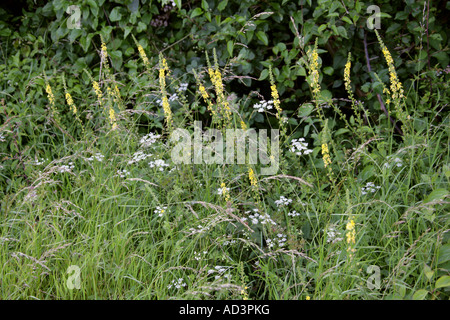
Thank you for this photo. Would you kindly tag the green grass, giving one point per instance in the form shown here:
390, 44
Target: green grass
107, 225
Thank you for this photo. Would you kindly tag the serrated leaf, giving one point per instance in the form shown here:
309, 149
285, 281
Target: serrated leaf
442, 282
420, 294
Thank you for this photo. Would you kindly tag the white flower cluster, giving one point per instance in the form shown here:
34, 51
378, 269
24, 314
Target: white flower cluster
263, 105
183, 87
2, 138
280, 241
160, 211
370, 187
173, 97
283, 201
123, 173
260, 218
199, 229
395, 162
66, 168
332, 235
98, 156
160, 164
177, 284
198, 255
220, 191
293, 214
149, 139
300, 147
138, 156
39, 162
221, 272
225, 243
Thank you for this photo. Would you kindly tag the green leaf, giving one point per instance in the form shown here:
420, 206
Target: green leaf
208, 16
141, 27
305, 110
230, 46
444, 254
341, 131
443, 282
196, 12
222, 5
205, 5
347, 19
94, 6
428, 272
436, 195
85, 42
321, 28
127, 31
328, 70
420, 294
261, 35
178, 3
115, 14
116, 59
264, 74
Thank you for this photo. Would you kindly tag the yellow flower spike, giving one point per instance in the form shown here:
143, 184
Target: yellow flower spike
98, 91
167, 110
347, 74
72, 106
142, 54
225, 192
396, 89
350, 225
104, 50
104, 54
252, 177
243, 126
326, 155
276, 100
351, 237
314, 70
70, 103
50, 95
162, 84
51, 99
